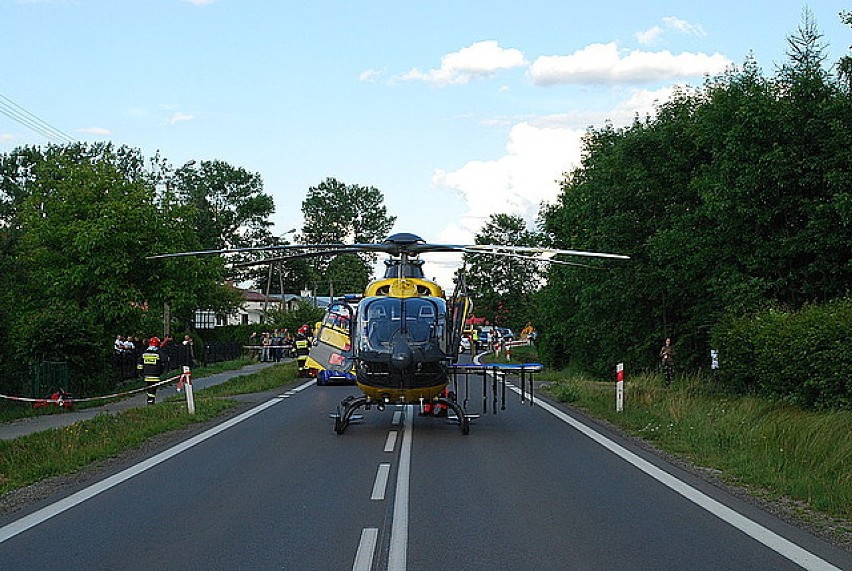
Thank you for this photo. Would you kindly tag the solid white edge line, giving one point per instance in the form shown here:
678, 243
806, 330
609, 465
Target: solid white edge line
366, 549
390, 443
398, 556
772, 540
381, 483
44, 514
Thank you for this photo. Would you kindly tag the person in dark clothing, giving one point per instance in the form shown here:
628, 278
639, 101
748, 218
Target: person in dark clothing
152, 364
667, 358
303, 347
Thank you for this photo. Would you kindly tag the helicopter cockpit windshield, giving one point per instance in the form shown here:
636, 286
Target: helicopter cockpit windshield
386, 319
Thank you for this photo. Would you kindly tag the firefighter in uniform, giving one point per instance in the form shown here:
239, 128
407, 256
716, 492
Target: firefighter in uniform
152, 364
303, 346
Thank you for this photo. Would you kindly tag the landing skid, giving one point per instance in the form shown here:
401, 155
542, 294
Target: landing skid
464, 420
351, 404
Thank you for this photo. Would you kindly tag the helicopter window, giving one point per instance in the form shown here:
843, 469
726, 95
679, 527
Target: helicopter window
380, 322
381, 319
420, 319
377, 312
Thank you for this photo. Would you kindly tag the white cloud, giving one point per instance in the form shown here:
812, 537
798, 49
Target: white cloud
200, 2
6, 137
100, 131
370, 75
602, 63
480, 59
179, 117
684, 27
651, 35
517, 183
538, 152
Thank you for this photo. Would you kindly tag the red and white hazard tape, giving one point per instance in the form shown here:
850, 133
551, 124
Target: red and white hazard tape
60, 401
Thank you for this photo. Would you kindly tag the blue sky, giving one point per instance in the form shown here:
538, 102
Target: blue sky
454, 110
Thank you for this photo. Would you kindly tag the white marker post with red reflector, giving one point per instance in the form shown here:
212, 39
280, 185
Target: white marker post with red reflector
619, 387
186, 381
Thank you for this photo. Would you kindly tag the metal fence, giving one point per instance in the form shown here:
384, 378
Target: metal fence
178, 356
49, 376
46, 377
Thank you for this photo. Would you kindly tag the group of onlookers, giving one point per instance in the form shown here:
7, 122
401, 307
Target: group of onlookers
275, 345
128, 349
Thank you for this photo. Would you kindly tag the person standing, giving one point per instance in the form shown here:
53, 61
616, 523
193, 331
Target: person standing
189, 348
667, 358
303, 347
152, 364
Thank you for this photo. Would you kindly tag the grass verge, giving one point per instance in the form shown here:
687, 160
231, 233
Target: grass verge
802, 459
12, 410
32, 458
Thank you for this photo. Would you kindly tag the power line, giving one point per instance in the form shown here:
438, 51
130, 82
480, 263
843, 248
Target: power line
24, 117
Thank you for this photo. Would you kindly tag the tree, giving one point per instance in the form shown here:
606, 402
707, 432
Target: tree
500, 286
844, 66
337, 213
79, 221
731, 197
228, 206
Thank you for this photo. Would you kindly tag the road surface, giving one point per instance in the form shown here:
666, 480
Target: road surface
275, 488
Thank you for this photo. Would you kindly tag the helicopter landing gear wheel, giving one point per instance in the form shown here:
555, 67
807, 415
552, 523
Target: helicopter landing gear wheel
350, 405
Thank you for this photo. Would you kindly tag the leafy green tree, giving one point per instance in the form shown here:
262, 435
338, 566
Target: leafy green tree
844, 66
346, 273
501, 286
79, 221
731, 197
229, 207
339, 213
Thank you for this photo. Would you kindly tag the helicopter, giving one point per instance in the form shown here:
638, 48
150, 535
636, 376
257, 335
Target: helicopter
401, 340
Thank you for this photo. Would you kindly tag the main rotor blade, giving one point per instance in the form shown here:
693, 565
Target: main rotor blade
531, 258
298, 256
551, 251
330, 249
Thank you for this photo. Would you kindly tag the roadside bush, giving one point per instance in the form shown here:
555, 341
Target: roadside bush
803, 357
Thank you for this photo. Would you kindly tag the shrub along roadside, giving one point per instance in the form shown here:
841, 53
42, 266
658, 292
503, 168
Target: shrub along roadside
56, 452
777, 451
803, 357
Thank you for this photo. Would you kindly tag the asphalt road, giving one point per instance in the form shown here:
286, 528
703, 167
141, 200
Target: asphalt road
276, 488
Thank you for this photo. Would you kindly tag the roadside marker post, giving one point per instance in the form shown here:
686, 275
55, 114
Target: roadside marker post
186, 379
619, 387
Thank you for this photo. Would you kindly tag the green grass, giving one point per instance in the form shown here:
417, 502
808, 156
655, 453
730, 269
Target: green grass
777, 451
56, 452
13, 410
261, 381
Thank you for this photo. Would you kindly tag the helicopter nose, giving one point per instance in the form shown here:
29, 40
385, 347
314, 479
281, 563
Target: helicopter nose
401, 357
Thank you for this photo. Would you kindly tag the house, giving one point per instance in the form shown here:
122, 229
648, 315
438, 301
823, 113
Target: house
254, 308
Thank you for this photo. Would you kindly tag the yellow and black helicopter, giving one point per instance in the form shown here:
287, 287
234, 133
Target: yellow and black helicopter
401, 341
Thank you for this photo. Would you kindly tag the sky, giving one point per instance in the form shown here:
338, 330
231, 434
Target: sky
455, 110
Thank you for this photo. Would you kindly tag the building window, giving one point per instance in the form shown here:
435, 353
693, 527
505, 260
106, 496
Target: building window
244, 318
205, 319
